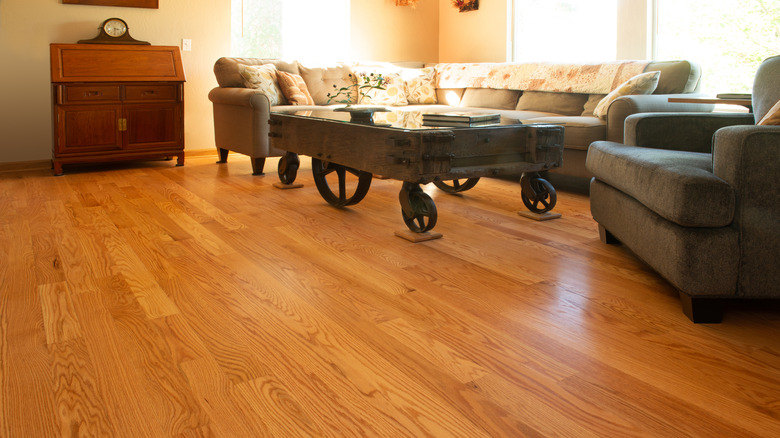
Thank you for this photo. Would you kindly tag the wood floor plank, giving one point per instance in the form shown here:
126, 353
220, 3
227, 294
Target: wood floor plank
142, 299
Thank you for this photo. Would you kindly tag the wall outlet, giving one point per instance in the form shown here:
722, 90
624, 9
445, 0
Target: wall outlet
186, 45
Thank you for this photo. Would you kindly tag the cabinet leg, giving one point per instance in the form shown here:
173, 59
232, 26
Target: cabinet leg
57, 167
223, 153
257, 165
180, 159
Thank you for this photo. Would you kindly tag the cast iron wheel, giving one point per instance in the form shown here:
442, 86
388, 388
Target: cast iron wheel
321, 170
417, 208
537, 193
288, 167
456, 185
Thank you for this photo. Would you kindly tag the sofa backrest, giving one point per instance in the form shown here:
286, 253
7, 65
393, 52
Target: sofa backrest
226, 69
676, 76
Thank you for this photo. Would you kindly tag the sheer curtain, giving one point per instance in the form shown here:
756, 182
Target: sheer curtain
565, 30
311, 30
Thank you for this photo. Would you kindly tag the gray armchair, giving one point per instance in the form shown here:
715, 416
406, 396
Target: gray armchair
697, 197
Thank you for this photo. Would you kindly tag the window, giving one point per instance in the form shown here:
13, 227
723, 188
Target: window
729, 38
565, 30
311, 30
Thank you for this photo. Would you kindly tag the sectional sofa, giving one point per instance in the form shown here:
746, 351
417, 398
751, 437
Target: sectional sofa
564, 94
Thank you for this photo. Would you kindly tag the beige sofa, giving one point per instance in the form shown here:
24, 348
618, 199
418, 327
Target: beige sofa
531, 93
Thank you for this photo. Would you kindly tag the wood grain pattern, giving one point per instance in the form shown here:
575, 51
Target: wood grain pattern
137, 299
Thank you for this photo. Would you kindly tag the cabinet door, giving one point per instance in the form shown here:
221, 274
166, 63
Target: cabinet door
88, 128
154, 125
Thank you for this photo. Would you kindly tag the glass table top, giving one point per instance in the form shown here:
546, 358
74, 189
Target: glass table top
404, 118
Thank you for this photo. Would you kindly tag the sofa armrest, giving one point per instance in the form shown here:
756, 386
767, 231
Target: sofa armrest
239, 96
748, 158
241, 121
625, 106
679, 131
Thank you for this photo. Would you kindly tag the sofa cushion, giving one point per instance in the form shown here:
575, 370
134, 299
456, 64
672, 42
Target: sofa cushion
592, 103
644, 83
678, 186
490, 98
449, 96
326, 79
263, 78
676, 76
294, 88
568, 104
579, 131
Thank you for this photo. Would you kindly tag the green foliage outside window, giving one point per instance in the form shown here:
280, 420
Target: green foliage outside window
729, 38
257, 31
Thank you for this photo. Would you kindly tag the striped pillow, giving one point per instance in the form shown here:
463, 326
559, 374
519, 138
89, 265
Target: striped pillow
294, 88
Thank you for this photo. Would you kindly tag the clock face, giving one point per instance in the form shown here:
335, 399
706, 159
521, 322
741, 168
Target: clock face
115, 27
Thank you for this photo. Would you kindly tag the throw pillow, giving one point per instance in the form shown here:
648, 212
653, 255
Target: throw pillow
772, 117
263, 78
420, 87
394, 92
294, 88
644, 83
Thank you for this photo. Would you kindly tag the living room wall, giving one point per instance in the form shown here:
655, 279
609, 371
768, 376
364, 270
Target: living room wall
27, 28
379, 29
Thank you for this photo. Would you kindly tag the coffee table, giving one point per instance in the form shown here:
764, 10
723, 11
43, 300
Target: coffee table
395, 144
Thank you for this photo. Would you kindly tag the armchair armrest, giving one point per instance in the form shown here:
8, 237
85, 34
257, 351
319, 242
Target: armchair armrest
748, 158
679, 131
625, 106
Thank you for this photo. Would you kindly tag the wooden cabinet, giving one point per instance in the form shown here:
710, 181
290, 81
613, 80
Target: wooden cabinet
113, 102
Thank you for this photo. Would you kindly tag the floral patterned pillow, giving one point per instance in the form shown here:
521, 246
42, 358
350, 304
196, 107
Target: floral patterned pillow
420, 86
263, 78
394, 92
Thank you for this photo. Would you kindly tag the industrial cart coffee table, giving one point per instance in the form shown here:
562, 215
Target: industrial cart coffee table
395, 144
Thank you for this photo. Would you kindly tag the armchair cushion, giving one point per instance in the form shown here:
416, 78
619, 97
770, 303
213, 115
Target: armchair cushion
677, 185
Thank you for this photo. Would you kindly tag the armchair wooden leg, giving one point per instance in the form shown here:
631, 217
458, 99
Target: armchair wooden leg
702, 310
607, 237
257, 165
223, 153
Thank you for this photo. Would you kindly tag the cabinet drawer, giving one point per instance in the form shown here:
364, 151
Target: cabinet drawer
90, 93
149, 93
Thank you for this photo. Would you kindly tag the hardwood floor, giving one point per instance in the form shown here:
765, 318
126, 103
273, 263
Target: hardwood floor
146, 300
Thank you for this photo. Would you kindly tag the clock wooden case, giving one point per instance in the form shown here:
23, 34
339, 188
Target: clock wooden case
113, 31
116, 102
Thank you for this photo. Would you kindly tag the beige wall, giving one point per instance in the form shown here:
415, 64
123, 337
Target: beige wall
28, 27
474, 36
381, 31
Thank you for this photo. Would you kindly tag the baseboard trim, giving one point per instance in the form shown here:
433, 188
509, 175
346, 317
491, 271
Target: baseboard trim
17, 166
